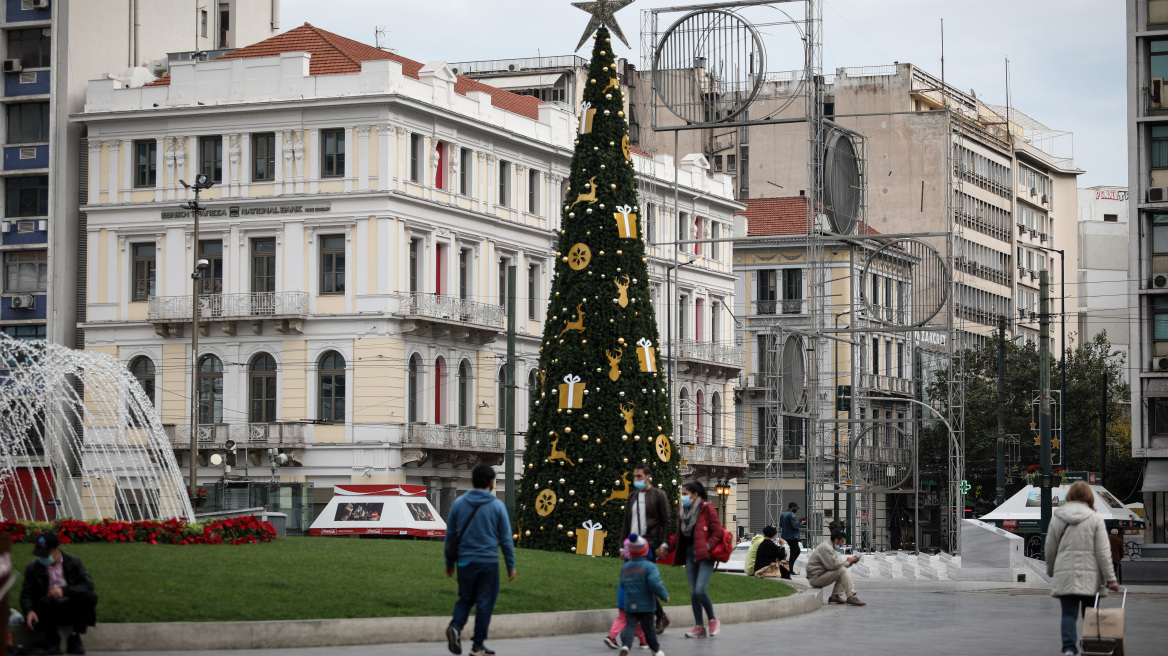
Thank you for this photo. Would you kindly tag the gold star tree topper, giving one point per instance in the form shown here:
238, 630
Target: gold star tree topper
602, 14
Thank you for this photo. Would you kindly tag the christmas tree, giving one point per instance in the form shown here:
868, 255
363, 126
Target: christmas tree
602, 404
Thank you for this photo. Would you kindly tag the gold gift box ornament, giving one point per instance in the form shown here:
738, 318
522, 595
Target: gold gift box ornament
647, 355
587, 114
571, 392
626, 222
590, 540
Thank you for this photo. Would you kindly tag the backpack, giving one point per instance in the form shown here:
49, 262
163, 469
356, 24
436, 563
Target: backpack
721, 547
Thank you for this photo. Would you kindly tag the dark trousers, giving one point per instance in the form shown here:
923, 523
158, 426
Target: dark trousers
793, 545
1073, 607
76, 612
646, 622
478, 586
1118, 572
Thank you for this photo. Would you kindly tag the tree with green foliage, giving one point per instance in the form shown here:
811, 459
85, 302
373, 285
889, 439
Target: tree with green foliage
1086, 364
602, 403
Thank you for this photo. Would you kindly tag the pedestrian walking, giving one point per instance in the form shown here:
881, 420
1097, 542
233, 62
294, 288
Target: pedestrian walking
1116, 554
57, 591
1078, 559
476, 529
789, 526
642, 584
698, 531
647, 514
825, 568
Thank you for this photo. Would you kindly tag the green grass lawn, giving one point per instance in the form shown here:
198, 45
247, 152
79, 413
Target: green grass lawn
307, 578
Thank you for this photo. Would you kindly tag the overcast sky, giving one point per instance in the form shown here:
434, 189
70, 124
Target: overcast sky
1066, 56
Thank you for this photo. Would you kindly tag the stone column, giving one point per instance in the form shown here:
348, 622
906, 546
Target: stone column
362, 132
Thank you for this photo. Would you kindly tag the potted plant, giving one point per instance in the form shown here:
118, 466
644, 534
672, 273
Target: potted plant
198, 499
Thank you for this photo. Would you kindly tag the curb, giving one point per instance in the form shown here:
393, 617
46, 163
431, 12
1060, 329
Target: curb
284, 634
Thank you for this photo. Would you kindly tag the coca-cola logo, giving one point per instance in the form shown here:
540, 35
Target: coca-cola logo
1010, 524
328, 531
373, 531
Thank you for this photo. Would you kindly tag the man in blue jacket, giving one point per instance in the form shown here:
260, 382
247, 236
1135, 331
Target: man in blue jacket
789, 524
476, 528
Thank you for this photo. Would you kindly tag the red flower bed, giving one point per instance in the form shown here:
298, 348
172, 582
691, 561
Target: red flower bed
235, 530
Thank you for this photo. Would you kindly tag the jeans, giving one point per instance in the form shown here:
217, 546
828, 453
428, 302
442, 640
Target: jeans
638, 622
1074, 606
699, 575
478, 586
793, 545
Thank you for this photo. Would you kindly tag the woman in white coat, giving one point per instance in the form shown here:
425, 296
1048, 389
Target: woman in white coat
1078, 559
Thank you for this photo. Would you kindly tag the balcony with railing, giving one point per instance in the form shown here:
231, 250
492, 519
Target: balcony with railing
286, 309
441, 316
889, 384
722, 359
785, 306
458, 445
288, 435
714, 460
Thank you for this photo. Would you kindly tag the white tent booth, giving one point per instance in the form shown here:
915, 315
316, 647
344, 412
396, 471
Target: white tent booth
1022, 514
396, 510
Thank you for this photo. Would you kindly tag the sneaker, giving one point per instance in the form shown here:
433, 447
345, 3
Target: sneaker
855, 601
453, 639
481, 650
715, 627
73, 644
610, 643
624, 651
835, 599
698, 631
644, 646
660, 652
662, 623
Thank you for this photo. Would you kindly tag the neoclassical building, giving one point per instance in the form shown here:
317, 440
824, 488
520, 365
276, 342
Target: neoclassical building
366, 212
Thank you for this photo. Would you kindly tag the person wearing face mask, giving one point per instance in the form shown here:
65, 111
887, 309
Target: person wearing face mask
647, 515
698, 531
825, 568
57, 591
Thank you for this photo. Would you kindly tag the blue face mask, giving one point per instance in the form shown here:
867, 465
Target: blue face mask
839, 548
640, 485
685, 501
47, 561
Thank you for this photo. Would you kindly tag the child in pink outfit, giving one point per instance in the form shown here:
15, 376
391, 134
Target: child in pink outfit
612, 640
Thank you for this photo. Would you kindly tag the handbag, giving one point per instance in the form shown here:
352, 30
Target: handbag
722, 546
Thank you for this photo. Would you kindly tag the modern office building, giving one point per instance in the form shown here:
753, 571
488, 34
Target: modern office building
1104, 236
366, 212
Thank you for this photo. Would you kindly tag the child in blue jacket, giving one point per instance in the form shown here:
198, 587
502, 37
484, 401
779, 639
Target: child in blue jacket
641, 582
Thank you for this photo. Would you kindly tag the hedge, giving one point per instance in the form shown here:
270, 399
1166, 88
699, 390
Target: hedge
235, 530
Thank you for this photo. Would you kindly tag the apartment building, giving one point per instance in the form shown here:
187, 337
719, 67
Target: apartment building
1104, 235
1147, 134
51, 50
366, 212
1014, 202
866, 375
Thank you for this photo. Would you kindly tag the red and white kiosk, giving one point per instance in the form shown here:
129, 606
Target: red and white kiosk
379, 510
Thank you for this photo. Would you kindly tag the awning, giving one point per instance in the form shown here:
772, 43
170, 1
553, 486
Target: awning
524, 81
1156, 475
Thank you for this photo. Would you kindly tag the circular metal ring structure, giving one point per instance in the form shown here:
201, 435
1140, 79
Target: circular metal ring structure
904, 282
794, 374
881, 464
709, 66
842, 188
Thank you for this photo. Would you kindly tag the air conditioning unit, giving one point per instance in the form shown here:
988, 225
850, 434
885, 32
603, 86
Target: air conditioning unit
1042, 236
1157, 194
1160, 281
456, 70
1021, 270
12, 66
24, 302
512, 67
159, 66
1033, 233
1161, 364
1021, 228
976, 266
1045, 199
1156, 93
1033, 191
1033, 274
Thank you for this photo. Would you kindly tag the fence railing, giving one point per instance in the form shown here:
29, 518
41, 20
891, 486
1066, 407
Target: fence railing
710, 454
722, 352
210, 435
469, 438
453, 308
229, 306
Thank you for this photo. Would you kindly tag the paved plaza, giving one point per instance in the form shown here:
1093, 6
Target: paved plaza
902, 618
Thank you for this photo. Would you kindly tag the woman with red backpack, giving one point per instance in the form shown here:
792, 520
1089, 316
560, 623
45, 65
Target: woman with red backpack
701, 540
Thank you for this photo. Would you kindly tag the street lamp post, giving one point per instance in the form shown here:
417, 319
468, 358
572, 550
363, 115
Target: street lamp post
202, 181
723, 489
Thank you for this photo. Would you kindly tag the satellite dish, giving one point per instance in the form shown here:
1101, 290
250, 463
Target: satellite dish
794, 372
216, 459
842, 191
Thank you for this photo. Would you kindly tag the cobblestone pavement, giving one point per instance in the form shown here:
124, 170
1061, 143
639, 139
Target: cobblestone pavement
901, 619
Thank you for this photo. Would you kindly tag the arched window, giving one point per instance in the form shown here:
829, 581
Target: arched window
210, 390
439, 389
261, 384
414, 370
143, 369
699, 407
465, 396
685, 410
332, 387
501, 398
716, 437
532, 391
